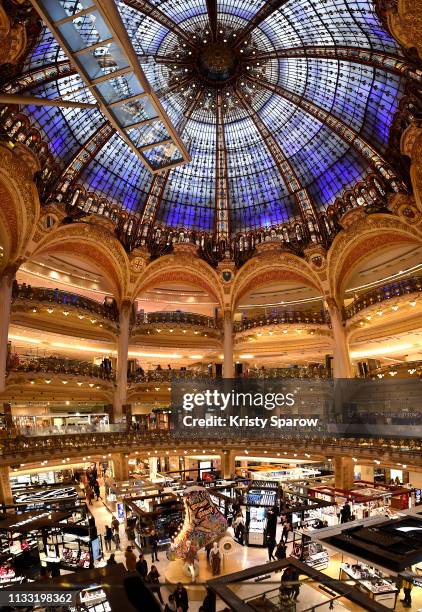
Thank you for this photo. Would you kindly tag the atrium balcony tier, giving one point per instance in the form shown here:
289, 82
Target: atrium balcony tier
23, 449
62, 311
392, 292
37, 377
174, 327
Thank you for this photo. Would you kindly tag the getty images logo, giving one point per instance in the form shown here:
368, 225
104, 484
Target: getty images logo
235, 399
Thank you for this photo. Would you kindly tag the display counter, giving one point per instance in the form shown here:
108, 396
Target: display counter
311, 553
371, 582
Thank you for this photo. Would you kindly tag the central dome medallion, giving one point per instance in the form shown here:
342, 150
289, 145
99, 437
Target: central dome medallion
217, 63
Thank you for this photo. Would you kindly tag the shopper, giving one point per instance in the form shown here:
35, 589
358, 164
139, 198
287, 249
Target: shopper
181, 597
209, 603
142, 566
296, 584
97, 490
116, 539
270, 546
153, 579
115, 523
407, 589
287, 528
153, 542
171, 604
108, 536
111, 560
280, 551
130, 559
345, 513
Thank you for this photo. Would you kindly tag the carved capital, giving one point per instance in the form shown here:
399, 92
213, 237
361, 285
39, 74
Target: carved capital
408, 139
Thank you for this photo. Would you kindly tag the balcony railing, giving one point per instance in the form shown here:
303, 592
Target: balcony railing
381, 294
176, 318
166, 375
58, 365
408, 368
14, 446
316, 372
282, 317
22, 293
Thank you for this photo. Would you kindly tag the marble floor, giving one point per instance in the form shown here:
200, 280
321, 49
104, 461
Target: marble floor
244, 557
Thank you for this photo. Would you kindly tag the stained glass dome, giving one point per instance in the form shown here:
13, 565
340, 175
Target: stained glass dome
283, 106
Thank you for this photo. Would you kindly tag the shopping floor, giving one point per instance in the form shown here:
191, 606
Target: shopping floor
245, 557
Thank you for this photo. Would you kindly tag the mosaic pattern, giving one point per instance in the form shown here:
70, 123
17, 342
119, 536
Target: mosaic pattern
329, 114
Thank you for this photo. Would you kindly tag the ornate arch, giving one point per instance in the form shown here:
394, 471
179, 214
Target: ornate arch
270, 267
20, 206
95, 243
363, 235
185, 267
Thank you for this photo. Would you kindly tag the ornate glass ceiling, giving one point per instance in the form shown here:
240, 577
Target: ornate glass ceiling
283, 106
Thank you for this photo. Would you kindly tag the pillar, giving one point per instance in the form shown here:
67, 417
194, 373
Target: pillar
342, 365
228, 345
6, 496
153, 468
344, 473
367, 473
120, 466
6, 284
228, 464
122, 358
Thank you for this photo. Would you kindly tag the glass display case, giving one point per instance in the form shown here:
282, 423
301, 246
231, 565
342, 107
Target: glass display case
372, 582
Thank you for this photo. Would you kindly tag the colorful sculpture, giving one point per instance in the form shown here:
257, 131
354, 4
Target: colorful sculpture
202, 525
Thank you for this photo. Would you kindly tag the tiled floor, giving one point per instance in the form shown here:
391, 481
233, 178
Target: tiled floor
246, 557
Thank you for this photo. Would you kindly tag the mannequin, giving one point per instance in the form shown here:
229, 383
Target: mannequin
215, 560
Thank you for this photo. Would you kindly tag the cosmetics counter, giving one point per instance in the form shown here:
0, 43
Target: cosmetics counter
259, 497
97, 590
305, 512
21, 481
309, 552
48, 497
284, 474
372, 582
223, 503
162, 513
368, 501
49, 540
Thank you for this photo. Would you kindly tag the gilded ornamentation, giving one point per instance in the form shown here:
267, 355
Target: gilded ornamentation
405, 23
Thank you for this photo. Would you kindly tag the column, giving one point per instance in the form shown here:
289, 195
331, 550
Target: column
367, 473
120, 466
344, 472
153, 468
342, 365
6, 284
122, 355
6, 496
228, 345
228, 463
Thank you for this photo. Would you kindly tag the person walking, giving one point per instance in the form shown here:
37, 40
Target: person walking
108, 537
171, 604
111, 560
97, 490
115, 523
270, 546
181, 597
280, 551
116, 539
153, 579
153, 542
130, 559
142, 566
